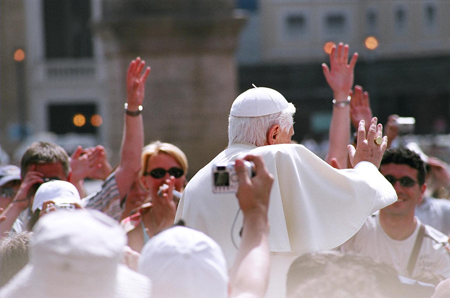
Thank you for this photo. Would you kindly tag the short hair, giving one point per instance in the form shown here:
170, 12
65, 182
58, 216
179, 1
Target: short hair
404, 156
157, 147
42, 153
253, 130
13, 255
335, 274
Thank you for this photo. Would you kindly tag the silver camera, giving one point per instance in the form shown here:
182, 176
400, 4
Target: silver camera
65, 206
225, 179
406, 125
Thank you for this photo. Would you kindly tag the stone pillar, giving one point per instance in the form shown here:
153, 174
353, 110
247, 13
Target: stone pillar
190, 47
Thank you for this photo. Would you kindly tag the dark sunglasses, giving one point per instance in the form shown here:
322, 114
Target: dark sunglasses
404, 181
159, 173
7, 192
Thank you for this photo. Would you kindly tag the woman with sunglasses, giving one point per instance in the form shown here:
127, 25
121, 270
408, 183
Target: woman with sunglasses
160, 162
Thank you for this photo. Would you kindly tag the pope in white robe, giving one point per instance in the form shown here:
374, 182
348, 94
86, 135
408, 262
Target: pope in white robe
312, 205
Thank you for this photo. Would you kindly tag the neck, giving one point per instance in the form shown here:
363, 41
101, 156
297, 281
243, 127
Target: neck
398, 227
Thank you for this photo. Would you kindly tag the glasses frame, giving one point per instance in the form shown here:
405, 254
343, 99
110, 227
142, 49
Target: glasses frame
173, 171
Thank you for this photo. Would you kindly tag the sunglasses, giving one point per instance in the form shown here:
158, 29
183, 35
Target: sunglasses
159, 173
7, 192
404, 181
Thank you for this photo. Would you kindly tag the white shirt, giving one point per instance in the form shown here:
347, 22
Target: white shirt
372, 241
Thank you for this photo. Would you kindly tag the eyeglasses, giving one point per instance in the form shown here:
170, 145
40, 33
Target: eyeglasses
159, 173
404, 181
7, 192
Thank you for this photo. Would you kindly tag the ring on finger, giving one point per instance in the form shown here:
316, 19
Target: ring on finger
378, 140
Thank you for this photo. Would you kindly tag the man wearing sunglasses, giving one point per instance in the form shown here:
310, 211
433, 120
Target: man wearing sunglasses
394, 235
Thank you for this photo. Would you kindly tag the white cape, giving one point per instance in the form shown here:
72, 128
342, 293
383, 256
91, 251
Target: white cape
312, 205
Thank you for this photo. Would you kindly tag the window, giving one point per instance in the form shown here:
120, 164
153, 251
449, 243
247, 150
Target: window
76, 118
400, 20
66, 25
430, 16
296, 25
371, 22
335, 24
250, 5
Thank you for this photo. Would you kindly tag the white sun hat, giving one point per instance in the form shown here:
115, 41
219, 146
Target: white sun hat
184, 263
258, 101
9, 173
57, 191
77, 254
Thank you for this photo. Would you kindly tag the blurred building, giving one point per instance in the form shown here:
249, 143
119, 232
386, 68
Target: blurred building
403, 46
70, 77
63, 64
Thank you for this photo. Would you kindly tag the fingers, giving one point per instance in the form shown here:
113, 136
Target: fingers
241, 172
361, 132
77, 153
373, 129
334, 163
145, 75
353, 60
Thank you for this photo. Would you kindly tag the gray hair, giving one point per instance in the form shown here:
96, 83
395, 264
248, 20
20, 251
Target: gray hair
253, 130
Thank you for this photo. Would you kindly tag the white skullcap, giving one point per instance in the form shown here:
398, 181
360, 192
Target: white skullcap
258, 101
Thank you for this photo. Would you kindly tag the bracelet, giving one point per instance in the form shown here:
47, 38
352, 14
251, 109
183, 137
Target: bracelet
133, 113
342, 104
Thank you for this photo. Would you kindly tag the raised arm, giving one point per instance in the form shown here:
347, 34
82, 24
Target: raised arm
249, 275
340, 79
133, 133
360, 107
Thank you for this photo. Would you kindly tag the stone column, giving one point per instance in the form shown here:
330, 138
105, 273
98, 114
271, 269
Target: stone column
190, 47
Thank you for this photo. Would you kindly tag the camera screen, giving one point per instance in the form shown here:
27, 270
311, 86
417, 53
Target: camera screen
221, 179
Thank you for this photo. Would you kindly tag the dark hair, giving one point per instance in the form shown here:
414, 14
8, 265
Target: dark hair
44, 152
404, 156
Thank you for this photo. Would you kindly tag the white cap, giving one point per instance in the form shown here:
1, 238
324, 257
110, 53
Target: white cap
258, 101
415, 147
184, 263
9, 173
77, 254
57, 191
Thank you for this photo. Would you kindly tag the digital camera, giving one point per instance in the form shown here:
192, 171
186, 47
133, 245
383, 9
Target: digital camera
225, 179
406, 125
65, 206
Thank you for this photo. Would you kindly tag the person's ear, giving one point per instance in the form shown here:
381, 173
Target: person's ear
143, 182
273, 134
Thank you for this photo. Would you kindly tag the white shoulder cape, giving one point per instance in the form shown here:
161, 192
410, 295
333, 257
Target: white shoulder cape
312, 205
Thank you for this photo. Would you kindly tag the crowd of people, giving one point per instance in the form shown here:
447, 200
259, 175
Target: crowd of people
265, 218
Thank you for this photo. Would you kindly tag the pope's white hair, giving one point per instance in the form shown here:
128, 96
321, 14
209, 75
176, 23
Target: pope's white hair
253, 130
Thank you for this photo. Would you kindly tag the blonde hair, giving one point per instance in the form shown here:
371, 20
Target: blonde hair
157, 147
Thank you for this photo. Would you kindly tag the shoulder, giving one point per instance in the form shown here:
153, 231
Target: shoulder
435, 235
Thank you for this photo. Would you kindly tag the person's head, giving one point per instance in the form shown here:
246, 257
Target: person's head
77, 254
405, 170
184, 263
261, 116
13, 255
9, 184
335, 274
49, 159
51, 196
159, 162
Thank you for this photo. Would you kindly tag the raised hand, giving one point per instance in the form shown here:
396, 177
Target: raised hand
136, 83
340, 74
367, 149
360, 107
253, 192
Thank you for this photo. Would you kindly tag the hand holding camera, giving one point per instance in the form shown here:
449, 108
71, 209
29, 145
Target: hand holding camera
225, 178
